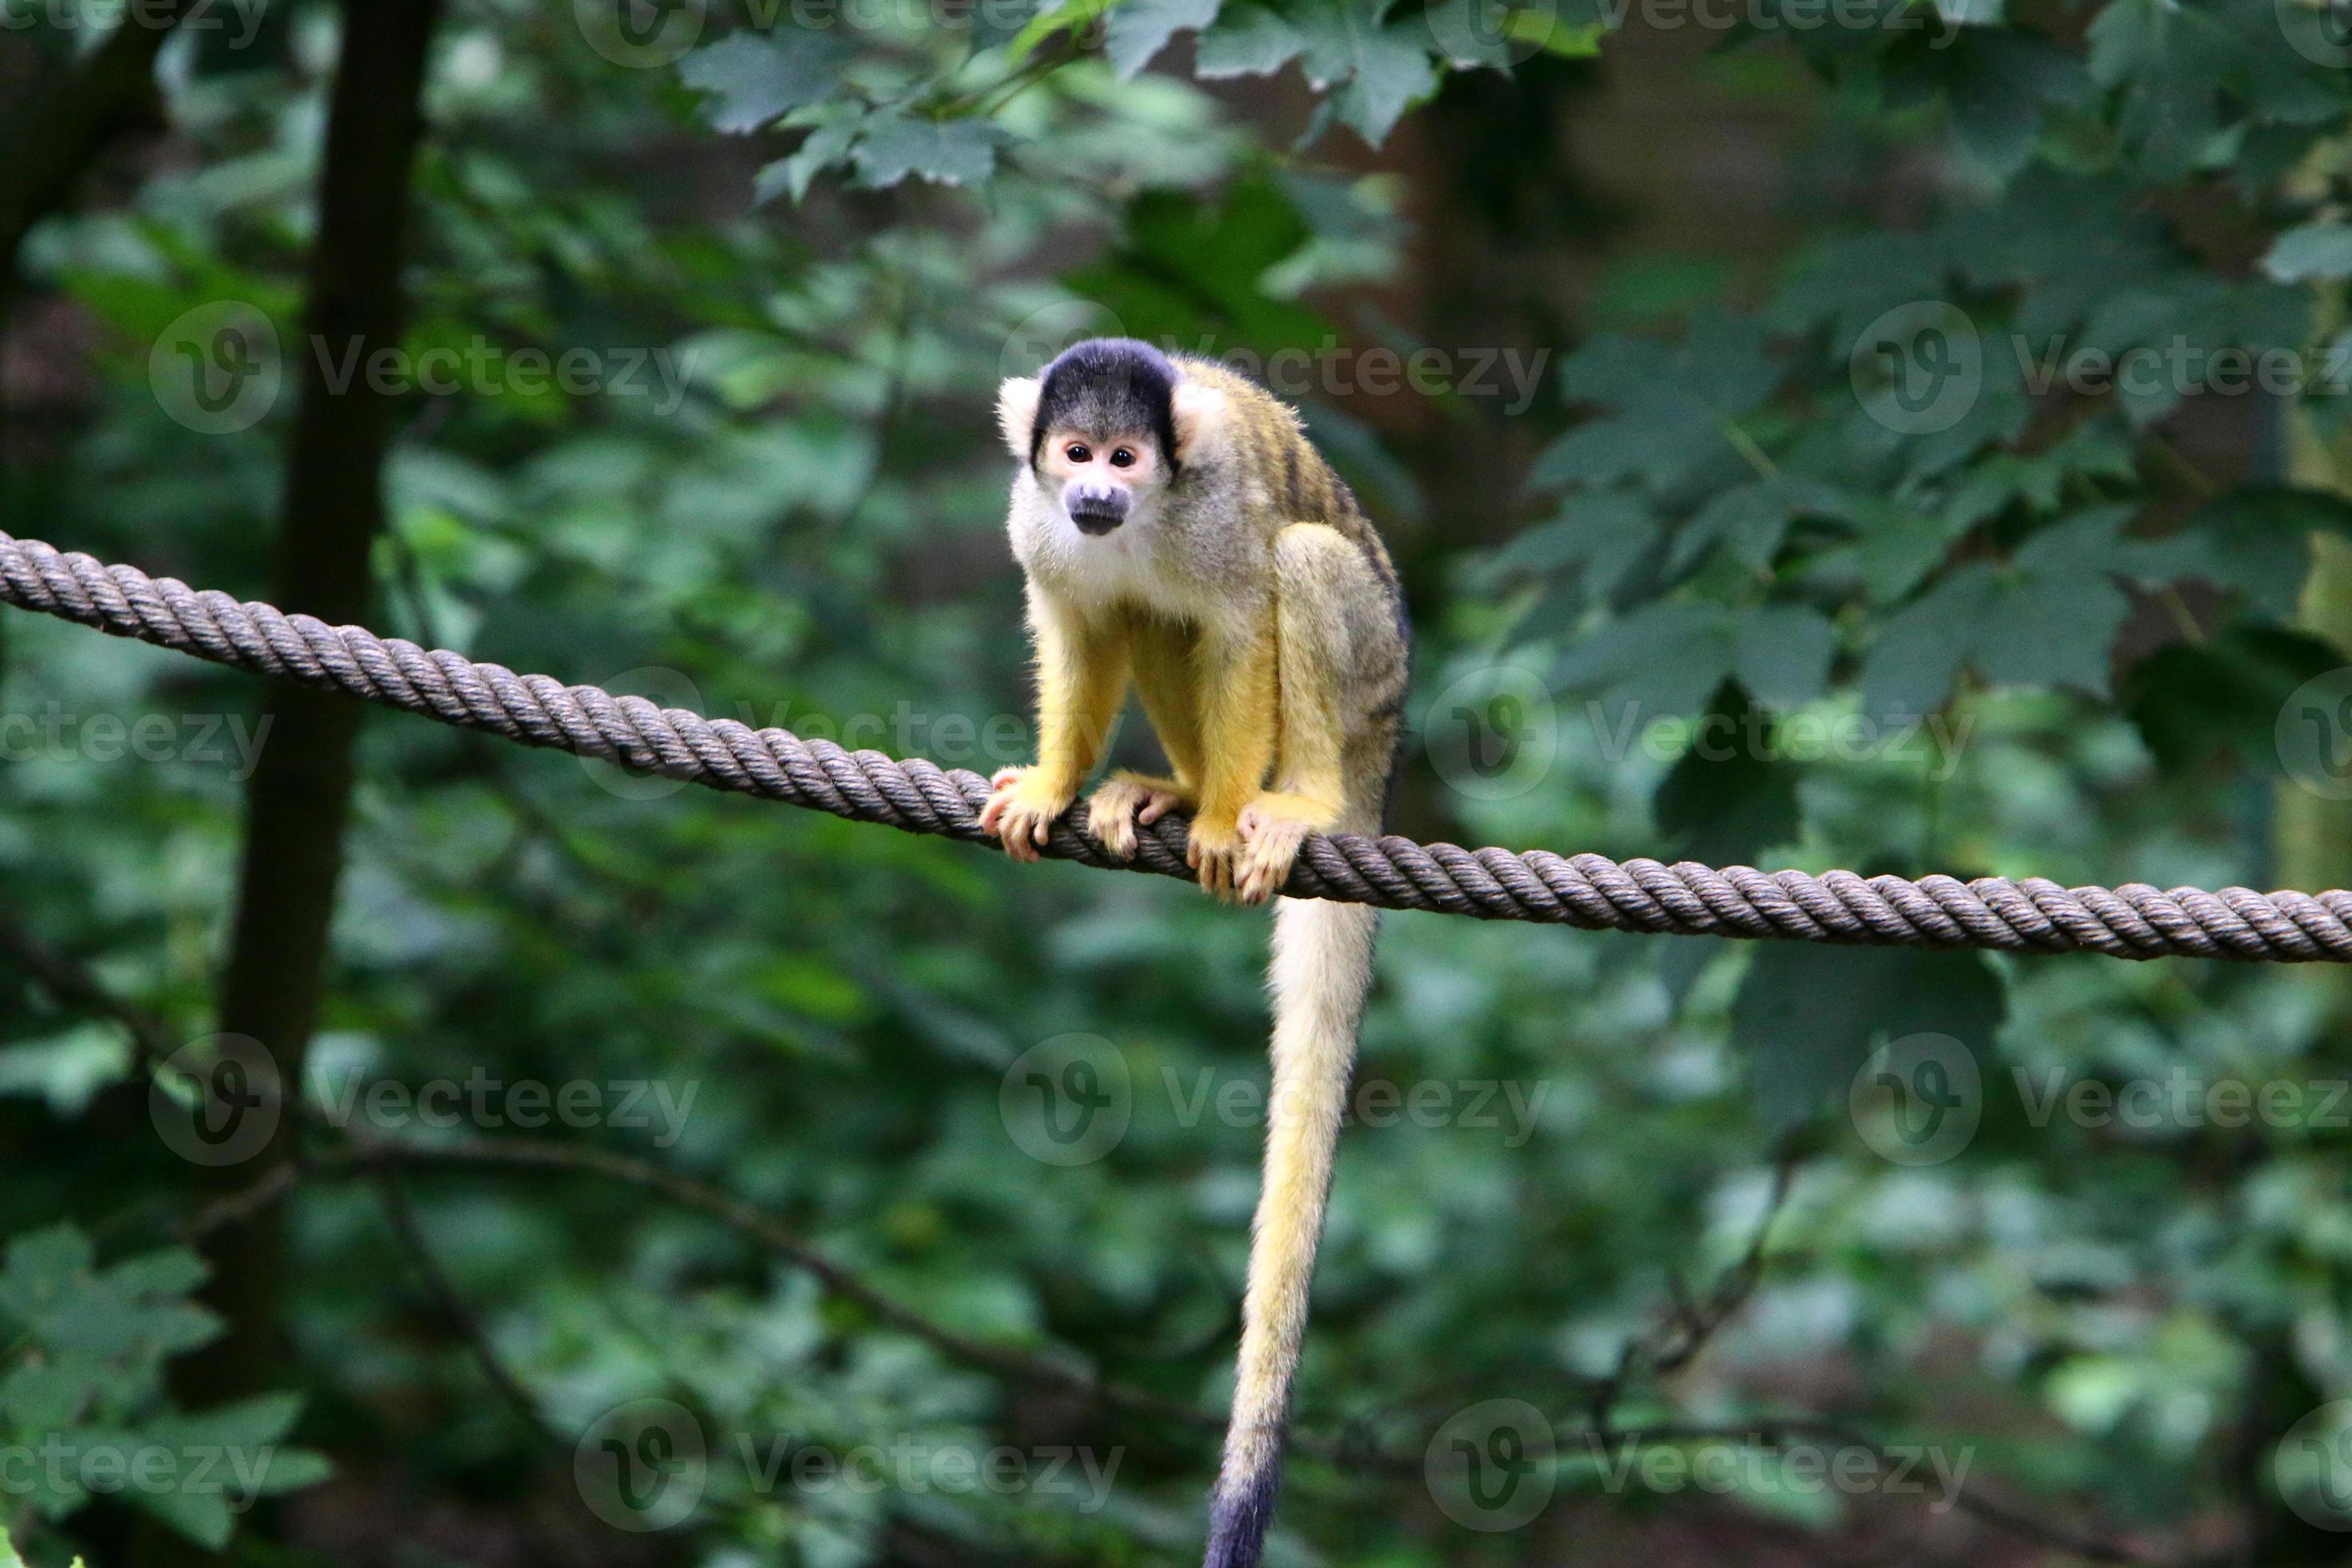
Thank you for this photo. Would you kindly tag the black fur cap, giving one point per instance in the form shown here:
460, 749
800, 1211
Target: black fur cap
1107, 387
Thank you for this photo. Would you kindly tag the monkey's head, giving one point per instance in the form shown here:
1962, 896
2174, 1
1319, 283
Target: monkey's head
1107, 429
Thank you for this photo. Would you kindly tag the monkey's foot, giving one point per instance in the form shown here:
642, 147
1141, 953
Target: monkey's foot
1215, 852
1125, 800
1272, 829
1022, 812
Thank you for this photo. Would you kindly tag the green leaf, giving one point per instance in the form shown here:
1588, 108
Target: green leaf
1139, 29
1727, 797
1555, 34
891, 147
41, 1269
1675, 407
2049, 617
1667, 660
2311, 252
828, 145
1600, 536
1749, 521
1248, 40
2255, 542
1373, 70
750, 79
1810, 1015
203, 1517
1189, 271
2191, 704
1075, 16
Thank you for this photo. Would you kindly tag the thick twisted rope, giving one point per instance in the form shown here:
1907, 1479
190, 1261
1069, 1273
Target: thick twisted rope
1592, 892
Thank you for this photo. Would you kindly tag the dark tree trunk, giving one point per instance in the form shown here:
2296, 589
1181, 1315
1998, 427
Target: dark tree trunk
297, 800
57, 134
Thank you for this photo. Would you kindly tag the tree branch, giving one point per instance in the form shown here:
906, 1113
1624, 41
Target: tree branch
56, 134
444, 1290
70, 982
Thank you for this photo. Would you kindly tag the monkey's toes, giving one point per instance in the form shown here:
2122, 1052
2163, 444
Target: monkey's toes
1269, 846
1111, 813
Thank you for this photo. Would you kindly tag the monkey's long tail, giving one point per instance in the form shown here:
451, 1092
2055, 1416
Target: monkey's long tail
1322, 967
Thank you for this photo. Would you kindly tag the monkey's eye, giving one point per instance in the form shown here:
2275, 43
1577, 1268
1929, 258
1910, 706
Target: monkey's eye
1076, 453
1122, 459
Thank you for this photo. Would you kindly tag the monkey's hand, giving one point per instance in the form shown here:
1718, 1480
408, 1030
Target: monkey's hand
1021, 811
1272, 828
1214, 851
1125, 800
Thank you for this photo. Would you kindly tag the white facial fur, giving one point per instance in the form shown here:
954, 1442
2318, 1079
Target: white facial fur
1170, 553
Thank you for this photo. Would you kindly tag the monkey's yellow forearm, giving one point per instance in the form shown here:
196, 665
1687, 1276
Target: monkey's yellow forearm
1082, 675
1238, 726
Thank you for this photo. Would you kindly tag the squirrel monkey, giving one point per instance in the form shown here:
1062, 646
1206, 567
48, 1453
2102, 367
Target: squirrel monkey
1179, 534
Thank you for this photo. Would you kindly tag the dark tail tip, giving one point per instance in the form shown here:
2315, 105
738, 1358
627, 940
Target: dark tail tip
1239, 1518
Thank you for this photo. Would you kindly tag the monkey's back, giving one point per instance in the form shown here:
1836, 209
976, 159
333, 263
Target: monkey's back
1287, 481
1300, 486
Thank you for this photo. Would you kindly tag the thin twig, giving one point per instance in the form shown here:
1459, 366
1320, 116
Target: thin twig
402, 1217
70, 982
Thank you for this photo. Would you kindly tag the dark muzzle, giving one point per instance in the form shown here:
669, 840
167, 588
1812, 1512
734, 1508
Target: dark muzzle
1097, 509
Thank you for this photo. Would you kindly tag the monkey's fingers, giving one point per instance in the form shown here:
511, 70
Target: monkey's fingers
1267, 858
992, 811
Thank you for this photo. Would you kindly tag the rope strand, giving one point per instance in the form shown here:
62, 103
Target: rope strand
1589, 892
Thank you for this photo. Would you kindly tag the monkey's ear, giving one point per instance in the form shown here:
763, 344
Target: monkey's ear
1016, 414
1199, 415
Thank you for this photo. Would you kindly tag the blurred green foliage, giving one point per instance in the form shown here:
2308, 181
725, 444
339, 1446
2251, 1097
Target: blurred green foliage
2066, 620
